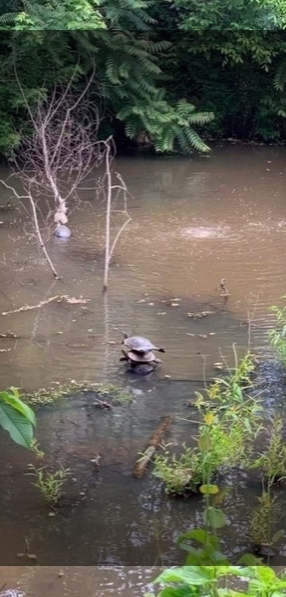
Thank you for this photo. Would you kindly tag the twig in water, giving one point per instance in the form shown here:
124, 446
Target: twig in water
57, 297
102, 404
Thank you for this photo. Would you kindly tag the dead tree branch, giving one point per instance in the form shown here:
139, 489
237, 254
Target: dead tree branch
63, 148
109, 188
41, 243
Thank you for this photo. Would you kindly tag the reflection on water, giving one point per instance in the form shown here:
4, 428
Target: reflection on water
73, 581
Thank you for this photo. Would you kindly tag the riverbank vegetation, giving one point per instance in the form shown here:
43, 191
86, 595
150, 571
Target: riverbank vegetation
234, 433
171, 73
218, 581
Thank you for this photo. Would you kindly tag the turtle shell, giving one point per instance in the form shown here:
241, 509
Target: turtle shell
147, 357
138, 343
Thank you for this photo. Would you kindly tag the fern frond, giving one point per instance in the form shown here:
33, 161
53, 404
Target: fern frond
280, 77
8, 19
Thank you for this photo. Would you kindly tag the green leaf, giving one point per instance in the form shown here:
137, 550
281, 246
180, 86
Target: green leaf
182, 591
194, 575
277, 536
214, 517
199, 535
249, 560
12, 398
17, 425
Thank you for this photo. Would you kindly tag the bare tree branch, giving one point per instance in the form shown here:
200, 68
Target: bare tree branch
36, 224
121, 189
63, 148
57, 158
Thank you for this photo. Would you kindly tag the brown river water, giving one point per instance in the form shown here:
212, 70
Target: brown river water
194, 221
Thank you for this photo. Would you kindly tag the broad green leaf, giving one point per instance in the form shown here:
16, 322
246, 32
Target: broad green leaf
277, 536
214, 517
249, 560
191, 575
193, 559
266, 574
199, 535
182, 591
17, 425
12, 398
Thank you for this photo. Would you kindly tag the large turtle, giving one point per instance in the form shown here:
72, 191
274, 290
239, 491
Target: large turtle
139, 345
142, 364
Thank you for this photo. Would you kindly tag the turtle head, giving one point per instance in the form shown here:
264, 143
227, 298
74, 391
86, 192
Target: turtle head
125, 336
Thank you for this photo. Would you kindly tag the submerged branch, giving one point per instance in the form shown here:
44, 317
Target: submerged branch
58, 297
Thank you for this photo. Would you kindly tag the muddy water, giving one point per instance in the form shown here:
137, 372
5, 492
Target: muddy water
99, 581
193, 222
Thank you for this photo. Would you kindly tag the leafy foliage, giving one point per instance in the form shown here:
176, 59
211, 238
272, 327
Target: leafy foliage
48, 482
17, 418
213, 581
116, 34
222, 63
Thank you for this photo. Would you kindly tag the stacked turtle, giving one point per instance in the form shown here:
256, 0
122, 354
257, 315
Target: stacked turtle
139, 354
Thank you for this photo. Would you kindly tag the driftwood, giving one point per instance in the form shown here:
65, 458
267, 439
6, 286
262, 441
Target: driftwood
154, 442
59, 298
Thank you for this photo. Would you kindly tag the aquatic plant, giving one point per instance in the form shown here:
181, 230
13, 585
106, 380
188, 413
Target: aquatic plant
50, 483
57, 391
262, 524
277, 335
117, 393
218, 445
272, 461
213, 581
181, 474
230, 421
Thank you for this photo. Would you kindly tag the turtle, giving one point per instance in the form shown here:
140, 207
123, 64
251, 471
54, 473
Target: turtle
63, 231
147, 357
139, 344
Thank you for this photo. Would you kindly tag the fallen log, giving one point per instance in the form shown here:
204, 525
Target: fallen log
154, 442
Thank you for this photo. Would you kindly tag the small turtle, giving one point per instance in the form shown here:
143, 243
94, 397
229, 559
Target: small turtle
147, 357
63, 231
139, 344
